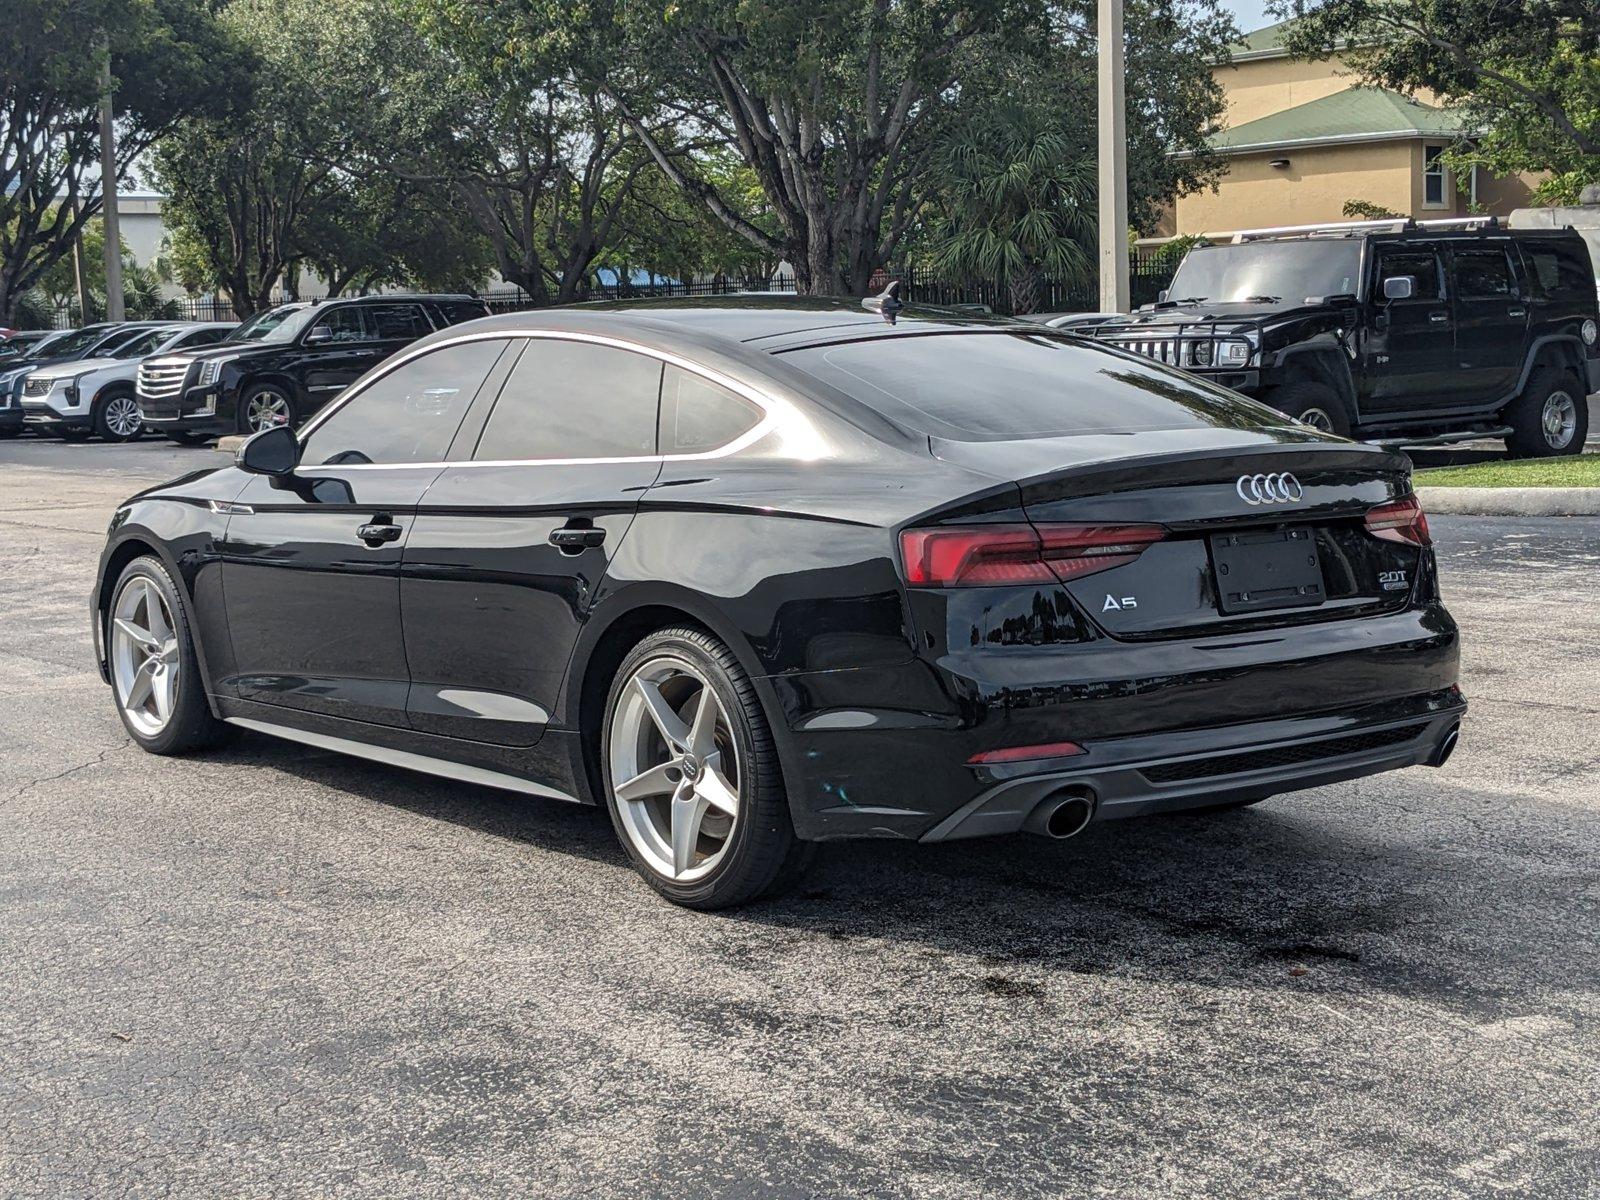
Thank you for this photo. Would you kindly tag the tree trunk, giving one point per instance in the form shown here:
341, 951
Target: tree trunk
1023, 284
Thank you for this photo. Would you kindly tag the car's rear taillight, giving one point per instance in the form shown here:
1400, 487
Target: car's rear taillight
1001, 555
1400, 520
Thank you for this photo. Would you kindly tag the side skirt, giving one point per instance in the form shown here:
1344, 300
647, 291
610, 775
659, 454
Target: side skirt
405, 758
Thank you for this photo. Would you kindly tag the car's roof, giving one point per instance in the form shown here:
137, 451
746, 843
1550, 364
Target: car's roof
760, 316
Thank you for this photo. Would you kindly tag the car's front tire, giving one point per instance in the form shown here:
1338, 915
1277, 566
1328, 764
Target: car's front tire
1314, 404
1550, 418
266, 406
155, 673
691, 774
117, 418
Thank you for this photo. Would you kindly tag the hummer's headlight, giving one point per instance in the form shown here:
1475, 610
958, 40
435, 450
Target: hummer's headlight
1233, 354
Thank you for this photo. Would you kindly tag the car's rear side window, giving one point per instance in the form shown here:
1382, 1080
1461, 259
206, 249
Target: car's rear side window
574, 400
991, 386
1556, 273
698, 415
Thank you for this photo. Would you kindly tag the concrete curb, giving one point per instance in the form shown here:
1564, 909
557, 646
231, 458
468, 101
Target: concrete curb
1511, 501
230, 444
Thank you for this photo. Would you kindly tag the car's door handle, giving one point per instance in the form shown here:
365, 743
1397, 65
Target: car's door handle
1516, 312
573, 538
376, 533
1438, 318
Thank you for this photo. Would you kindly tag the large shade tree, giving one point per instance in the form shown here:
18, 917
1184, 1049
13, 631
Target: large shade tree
1526, 72
168, 60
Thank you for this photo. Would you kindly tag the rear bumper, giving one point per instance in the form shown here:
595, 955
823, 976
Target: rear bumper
885, 752
1159, 773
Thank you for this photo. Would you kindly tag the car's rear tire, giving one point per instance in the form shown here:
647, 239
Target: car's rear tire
1315, 404
1550, 418
691, 774
117, 418
155, 673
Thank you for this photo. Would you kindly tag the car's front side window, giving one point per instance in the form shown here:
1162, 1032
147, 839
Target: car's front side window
342, 325
575, 400
408, 415
1420, 265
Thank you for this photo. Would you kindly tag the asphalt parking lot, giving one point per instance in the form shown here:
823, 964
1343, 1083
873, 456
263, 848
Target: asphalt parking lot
271, 971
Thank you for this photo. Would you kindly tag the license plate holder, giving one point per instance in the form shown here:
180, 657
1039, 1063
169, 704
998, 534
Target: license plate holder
1266, 569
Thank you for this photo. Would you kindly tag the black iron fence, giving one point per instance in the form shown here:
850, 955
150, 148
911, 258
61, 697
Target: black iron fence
1150, 273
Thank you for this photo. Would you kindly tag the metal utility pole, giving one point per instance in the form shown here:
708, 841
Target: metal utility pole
108, 185
1115, 294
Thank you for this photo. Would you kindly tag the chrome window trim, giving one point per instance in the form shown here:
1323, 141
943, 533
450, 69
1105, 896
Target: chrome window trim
767, 404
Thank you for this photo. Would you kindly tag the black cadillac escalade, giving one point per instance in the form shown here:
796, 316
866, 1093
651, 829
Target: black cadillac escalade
1401, 332
283, 364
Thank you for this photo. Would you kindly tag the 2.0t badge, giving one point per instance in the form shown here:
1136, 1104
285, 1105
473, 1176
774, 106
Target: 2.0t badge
1276, 488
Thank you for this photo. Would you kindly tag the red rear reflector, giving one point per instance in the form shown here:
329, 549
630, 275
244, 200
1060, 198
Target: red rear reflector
998, 555
1400, 520
1024, 753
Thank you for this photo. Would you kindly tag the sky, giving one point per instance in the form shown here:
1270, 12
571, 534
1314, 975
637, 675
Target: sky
1248, 14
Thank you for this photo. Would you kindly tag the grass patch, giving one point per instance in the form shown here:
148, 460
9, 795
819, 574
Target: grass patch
1582, 470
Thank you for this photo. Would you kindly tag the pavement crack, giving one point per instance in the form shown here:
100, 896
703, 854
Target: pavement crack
72, 770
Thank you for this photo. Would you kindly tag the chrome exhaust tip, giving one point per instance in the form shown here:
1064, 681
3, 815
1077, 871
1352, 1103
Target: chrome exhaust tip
1062, 814
1446, 747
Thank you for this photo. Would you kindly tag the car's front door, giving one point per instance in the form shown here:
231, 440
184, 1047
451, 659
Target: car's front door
338, 347
311, 569
510, 548
1491, 320
1410, 362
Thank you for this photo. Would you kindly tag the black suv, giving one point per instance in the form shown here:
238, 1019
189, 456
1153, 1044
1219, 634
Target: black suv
282, 365
1400, 331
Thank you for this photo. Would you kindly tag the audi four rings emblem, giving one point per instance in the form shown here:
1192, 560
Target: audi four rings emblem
1269, 489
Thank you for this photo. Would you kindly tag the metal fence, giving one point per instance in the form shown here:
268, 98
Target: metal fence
1150, 273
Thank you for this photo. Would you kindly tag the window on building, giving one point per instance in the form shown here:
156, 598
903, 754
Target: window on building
1435, 192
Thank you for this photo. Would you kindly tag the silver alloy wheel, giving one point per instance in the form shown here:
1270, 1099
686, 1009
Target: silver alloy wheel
144, 655
1559, 421
123, 417
674, 769
1317, 419
267, 409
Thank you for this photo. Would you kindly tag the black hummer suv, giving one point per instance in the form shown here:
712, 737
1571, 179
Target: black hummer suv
283, 364
1401, 332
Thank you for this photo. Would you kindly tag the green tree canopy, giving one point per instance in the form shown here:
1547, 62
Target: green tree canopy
1527, 72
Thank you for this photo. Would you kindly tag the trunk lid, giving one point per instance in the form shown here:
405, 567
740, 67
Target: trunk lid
1245, 548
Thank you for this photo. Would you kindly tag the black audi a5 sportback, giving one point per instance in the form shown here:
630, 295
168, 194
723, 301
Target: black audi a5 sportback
757, 573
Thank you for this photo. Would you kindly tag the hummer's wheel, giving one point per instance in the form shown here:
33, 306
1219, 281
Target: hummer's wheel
1550, 418
1313, 404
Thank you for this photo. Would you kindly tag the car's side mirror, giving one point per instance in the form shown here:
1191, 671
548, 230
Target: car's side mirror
272, 452
1400, 287
318, 334
1161, 296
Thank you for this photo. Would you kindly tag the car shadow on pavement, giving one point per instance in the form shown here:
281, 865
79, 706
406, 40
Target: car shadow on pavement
1235, 899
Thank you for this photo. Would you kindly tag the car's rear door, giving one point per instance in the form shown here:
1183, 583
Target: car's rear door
1491, 319
1411, 346
511, 545
311, 569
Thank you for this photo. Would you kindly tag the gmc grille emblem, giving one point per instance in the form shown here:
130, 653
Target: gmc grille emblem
1269, 489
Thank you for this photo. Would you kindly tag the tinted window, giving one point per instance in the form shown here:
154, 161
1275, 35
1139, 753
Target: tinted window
410, 414
1556, 273
202, 337
697, 414
1421, 265
453, 311
398, 321
144, 344
1482, 274
993, 386
575, 400
344, 324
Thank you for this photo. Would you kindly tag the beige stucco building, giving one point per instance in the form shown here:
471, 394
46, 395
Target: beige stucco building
1302, 139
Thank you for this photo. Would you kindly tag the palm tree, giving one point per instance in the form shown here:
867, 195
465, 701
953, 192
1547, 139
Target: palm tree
1017, 200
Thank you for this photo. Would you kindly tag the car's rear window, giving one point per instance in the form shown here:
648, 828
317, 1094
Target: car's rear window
995, 386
